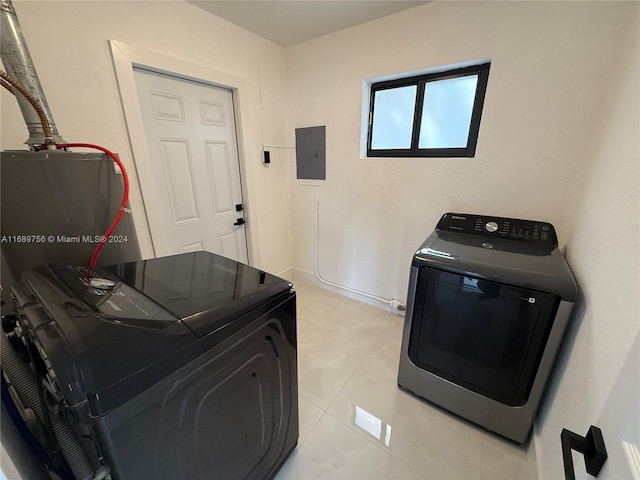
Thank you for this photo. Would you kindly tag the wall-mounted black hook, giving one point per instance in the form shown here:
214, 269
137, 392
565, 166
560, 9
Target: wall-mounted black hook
591, 446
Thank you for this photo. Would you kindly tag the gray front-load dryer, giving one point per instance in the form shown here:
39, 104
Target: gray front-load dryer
488, 303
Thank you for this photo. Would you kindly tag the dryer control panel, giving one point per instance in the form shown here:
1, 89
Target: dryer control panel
529, 231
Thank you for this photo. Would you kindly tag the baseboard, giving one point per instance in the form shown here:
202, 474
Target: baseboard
287, 274
309, 277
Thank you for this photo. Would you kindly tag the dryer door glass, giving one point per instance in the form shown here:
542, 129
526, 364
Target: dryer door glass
485, 336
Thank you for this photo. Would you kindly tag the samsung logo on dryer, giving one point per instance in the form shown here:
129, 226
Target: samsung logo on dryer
457, 217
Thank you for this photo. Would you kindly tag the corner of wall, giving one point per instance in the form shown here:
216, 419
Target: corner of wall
604, 253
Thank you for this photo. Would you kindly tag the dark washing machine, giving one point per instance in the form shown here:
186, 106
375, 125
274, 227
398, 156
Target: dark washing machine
489, 301
182, 367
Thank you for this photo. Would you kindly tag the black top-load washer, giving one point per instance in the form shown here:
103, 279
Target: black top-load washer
489, 300
181, 367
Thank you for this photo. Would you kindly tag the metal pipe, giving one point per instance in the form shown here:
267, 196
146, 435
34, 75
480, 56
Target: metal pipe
10, 84
19, 65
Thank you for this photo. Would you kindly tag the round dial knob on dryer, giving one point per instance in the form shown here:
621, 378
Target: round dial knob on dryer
491, 227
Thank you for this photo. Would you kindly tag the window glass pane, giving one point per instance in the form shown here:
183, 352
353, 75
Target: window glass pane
446, 113
393, 118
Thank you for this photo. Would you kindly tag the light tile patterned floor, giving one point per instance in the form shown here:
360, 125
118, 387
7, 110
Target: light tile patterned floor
355, 423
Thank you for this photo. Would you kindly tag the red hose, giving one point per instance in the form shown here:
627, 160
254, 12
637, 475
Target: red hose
125, 196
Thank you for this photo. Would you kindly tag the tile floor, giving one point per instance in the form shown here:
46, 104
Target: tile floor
355, 423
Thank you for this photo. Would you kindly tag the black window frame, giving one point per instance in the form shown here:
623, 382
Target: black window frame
481, 70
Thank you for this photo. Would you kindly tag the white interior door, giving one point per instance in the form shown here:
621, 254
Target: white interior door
191, 136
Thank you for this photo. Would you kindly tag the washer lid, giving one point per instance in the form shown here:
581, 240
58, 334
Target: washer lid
502, 261
202, 289
95, 355
111, 339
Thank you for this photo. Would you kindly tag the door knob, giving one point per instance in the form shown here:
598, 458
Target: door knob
591, 446
239, 221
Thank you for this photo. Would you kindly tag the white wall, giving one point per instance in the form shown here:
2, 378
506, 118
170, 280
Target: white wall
603, 248
550, 62
69, 45
558, 142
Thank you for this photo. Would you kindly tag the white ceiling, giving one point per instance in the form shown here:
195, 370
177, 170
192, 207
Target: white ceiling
293, 21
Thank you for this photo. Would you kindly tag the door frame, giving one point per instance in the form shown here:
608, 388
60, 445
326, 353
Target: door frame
125, 58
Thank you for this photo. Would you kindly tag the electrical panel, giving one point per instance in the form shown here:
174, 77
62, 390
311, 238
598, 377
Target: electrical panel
311, 153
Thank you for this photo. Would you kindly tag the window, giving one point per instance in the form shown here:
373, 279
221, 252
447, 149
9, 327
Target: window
428, 115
